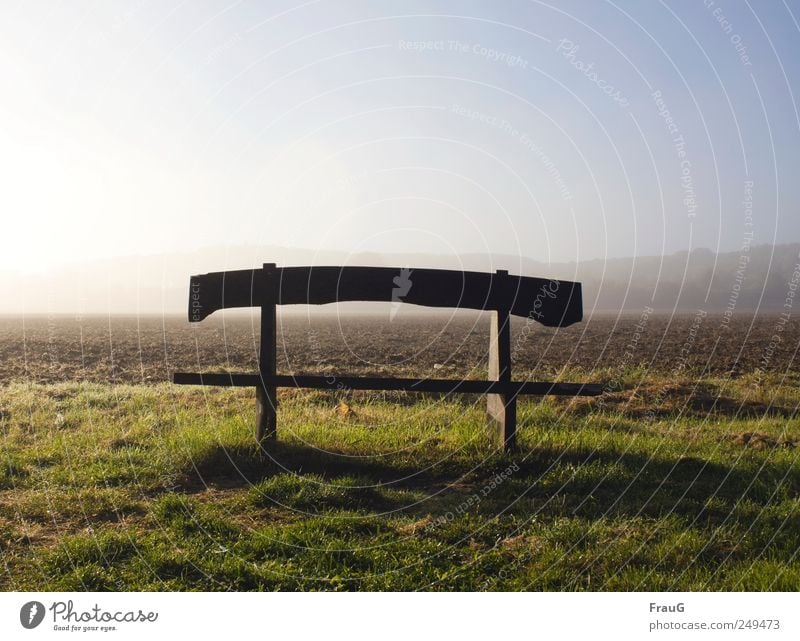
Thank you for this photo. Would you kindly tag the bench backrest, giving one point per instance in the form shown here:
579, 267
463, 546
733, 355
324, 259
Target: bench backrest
555, 303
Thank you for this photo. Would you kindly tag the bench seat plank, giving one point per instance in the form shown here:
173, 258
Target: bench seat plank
390, 384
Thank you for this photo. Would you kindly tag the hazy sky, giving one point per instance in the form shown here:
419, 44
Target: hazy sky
558, 131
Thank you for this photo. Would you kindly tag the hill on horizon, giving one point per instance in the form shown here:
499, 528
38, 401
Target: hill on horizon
762, 278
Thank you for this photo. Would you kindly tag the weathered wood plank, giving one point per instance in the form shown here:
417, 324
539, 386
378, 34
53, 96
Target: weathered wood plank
266, 392
501, 409
550, 302
218, 379
535, 388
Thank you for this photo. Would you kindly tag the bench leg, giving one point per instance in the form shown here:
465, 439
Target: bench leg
501, 409
267, 397
266, 414
502, 413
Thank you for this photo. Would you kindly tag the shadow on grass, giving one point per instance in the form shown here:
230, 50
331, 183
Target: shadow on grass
241, 466
677, 401
581, 482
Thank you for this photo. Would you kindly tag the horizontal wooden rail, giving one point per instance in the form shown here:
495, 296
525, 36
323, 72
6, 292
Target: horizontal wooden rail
539, 388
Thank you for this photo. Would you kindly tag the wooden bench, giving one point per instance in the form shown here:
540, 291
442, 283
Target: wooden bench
550, 302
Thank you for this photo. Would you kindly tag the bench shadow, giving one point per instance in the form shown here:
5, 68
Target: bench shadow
694, 406
639, 486
242, 466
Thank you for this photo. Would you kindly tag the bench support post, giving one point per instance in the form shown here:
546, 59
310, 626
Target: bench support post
501, 408
266, 395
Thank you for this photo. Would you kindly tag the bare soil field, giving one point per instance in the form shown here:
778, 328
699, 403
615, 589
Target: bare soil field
148, 349
683, 475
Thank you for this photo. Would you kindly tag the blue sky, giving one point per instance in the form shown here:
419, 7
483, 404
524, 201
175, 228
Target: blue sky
516, 127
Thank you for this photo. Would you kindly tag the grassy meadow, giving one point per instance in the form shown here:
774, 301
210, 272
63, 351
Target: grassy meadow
659, 485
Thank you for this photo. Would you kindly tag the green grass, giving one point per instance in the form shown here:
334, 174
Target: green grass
162, 488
